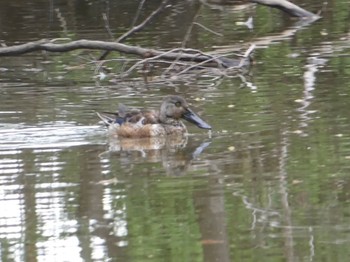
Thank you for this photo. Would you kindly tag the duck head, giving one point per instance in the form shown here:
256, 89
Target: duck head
175, 108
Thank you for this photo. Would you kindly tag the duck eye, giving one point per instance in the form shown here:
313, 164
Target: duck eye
178, 104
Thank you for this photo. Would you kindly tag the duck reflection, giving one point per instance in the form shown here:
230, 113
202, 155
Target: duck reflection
174, 152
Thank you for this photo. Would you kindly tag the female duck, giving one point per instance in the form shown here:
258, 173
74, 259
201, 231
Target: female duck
167, 121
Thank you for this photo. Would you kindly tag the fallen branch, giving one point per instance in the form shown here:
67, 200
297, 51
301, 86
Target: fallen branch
288, 7
179, 53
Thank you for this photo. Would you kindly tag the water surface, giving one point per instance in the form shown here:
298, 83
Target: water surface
270, 183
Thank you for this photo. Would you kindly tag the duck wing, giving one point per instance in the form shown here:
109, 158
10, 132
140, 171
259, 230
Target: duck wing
132, 116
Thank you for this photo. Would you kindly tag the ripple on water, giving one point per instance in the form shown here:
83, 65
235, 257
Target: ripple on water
16, 136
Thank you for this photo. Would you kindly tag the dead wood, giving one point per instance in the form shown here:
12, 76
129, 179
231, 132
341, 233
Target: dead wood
180, 54
288, 7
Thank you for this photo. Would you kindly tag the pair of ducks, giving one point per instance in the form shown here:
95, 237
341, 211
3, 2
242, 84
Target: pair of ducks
141, 124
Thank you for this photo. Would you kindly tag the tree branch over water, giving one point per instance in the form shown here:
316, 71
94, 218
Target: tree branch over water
182, 60
288, 7
175, 54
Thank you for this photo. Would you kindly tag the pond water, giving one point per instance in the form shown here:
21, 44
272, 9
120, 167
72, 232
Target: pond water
269, 183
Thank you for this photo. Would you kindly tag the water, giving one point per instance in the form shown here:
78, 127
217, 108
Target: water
271, 182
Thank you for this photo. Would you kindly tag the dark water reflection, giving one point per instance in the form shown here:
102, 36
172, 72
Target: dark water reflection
271, 183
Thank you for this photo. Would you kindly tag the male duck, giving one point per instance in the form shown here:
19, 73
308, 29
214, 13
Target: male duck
140, 124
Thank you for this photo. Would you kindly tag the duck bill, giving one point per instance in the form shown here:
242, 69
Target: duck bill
193, 118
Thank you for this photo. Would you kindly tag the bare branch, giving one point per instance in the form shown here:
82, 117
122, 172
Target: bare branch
108, 28
207, 29
144, 22
179, 53
247, 54
138, 13
139, 26
288, 7
189, 30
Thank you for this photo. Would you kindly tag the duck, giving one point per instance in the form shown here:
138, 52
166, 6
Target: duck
167, 121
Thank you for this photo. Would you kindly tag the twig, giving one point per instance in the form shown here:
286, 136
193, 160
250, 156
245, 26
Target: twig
62, 20
246, 54
108, 28
198, 64
184, 41
153, 58
207, 29
189, 30
138, 27
138, 13
144, 22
